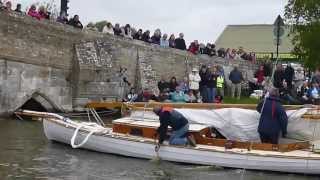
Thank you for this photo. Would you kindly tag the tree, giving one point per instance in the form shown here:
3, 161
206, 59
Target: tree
304, 17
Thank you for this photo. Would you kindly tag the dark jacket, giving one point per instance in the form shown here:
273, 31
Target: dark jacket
137, 36
117, 31
235, 77
212, 80
289, 74
278, 79
273, 119
145, 37
76, 24
172, 86
204, 78
162, 85
155, 40
180, 44
170, 118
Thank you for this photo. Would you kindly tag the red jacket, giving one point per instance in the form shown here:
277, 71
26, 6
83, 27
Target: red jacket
34, 14
194, 49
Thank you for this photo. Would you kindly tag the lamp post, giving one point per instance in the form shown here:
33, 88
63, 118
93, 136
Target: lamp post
64, 7
278, 32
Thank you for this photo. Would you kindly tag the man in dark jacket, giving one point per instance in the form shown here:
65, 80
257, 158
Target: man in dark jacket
163, 85
236, 78
273, 119
75, 22
288, 75
178, 123
180, 42
278, 77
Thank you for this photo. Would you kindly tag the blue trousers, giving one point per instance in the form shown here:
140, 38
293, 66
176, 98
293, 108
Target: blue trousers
211, 94
179, 137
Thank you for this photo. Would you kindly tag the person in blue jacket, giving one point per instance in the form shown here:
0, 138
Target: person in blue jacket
178, 123
273, 119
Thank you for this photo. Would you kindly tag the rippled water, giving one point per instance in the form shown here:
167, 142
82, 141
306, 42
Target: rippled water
26, 154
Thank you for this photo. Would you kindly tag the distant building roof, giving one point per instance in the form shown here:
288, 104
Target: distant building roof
253, 38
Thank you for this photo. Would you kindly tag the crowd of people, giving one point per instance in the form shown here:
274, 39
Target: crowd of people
127, 31
204, 85
42, 13
296, 86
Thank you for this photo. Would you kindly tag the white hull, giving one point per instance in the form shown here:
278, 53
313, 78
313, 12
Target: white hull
305, 162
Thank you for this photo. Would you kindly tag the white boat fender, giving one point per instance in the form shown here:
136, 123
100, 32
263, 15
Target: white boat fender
85, 139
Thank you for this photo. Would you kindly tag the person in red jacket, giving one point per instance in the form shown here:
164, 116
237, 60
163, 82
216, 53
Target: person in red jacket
33, 12
194, 47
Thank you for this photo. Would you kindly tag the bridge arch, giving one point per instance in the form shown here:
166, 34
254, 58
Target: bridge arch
38, 101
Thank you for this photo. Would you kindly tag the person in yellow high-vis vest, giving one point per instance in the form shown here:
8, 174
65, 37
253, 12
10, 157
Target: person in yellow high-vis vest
220, 85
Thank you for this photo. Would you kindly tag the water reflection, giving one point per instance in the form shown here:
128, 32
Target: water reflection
26, 154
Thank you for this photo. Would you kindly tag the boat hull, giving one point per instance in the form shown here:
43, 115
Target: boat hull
141, 149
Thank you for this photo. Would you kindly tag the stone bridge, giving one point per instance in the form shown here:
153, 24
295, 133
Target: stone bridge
63, 68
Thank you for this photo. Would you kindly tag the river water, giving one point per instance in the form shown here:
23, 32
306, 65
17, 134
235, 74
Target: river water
25, 154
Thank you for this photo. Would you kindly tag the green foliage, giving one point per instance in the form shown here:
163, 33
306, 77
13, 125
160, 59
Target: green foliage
304, 16
99, 25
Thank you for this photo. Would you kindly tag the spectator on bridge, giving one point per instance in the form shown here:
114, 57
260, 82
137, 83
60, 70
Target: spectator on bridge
202, 48
278, 77
172, 41
63, 18
221, 52
43, 13
209, 50
289, 75
108, 29
138, 35
8, 6
164, 41
33, 12
75, 22
127, 31
173, 84
180, 42
146, 36
18, 9
117, 29
236, 78
155, 39
194, 47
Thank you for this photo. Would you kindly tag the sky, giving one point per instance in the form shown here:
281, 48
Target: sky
202, 20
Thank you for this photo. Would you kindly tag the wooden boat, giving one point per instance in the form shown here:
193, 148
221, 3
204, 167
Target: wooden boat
136, 139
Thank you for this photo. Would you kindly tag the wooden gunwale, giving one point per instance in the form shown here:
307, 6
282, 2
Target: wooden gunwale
150, 141
113, 105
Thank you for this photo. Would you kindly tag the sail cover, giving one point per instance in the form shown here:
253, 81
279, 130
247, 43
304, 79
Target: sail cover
242, 124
